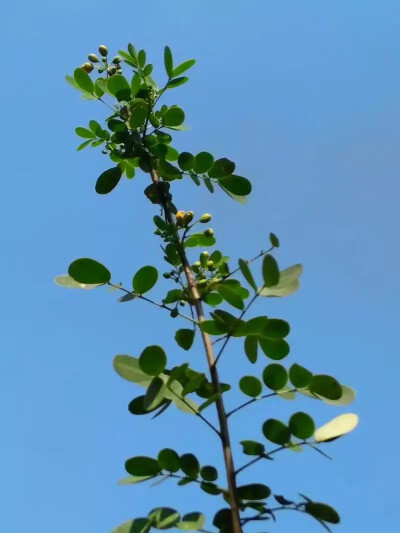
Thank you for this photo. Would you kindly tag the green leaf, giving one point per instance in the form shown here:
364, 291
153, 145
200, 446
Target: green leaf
95, 128
275, 376
338, 426
183, 67
135, 83
245, 270
191, 522
164, 517
254, 326
199, 239
141, 58
203, 162
154, 394
301, 425
83, 80
190, 465
83, 145
89, 271
119, 87
251, 386
69, 283
108, 180
299, 376
195, 382
348, 396
212, 298
276, 431
137, 406
273, 239
212, 327
222, 168
274, 348
152, 360
210, 488
186, 161
174, 116
288, 283
185, 338
230, 296
144, 279
139, 525
251, 348
133, 480
237, 186
173, 295
168, 62
71, 81
326, 386
177, 82
275, 329
323, 512
138, 116
270, 271
84, 133
251, 447
128, 368
209, 473
169, 460
142, 466
254, 491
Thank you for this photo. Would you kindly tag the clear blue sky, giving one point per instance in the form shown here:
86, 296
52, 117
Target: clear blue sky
304, 96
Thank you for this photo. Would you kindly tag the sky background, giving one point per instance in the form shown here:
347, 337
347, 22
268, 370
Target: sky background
304, 96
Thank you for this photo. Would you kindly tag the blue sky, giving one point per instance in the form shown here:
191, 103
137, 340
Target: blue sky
304, 96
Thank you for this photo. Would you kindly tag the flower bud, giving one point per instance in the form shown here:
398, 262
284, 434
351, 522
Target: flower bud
166, 275
197, 264
112, 70
202, 283
180, 218
93, 58
205, 218
87, 67
209, 232
100, 70
174, 313
182, 303
204, 258
103, 50
210, 265
188, 217
116, 60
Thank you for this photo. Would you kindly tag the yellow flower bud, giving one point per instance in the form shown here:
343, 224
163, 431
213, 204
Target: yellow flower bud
205, 218
87, 67
103, 50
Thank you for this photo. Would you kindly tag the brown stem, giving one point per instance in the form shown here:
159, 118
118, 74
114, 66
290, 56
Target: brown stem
222, 418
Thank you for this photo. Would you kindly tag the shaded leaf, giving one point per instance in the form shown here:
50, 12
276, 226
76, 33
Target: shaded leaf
169, 460
254, 491
83, 80
301, 425
275, 376
108, 180
270, 271
142, 466
89, 271
276, 431
326, 386
300, 376
251, 348
152, 360
245, 270
251, 447
155, 394
190, 465
323, 512
185, 338
250, 385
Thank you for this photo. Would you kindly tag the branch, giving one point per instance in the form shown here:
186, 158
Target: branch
249, 402
240, 317
141, 297
197, 413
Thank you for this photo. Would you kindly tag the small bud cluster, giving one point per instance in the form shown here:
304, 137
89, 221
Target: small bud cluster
183, 218
103, 64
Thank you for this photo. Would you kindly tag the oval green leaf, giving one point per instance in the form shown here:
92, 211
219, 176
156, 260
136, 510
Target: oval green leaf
144, 279
275, 376
301, 425
276, 431
322, 512
254, 491
142, 466
251, 386
203, 162
236, 185
189, 465
89, 271
270, 271
108, 180
169, 460
152, 360
300, 376
174, 116
326, 386
83, 80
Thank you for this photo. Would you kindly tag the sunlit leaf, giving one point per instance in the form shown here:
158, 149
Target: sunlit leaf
337, 427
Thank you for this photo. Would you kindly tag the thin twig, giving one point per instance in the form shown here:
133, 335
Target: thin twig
249, 402
141, 297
